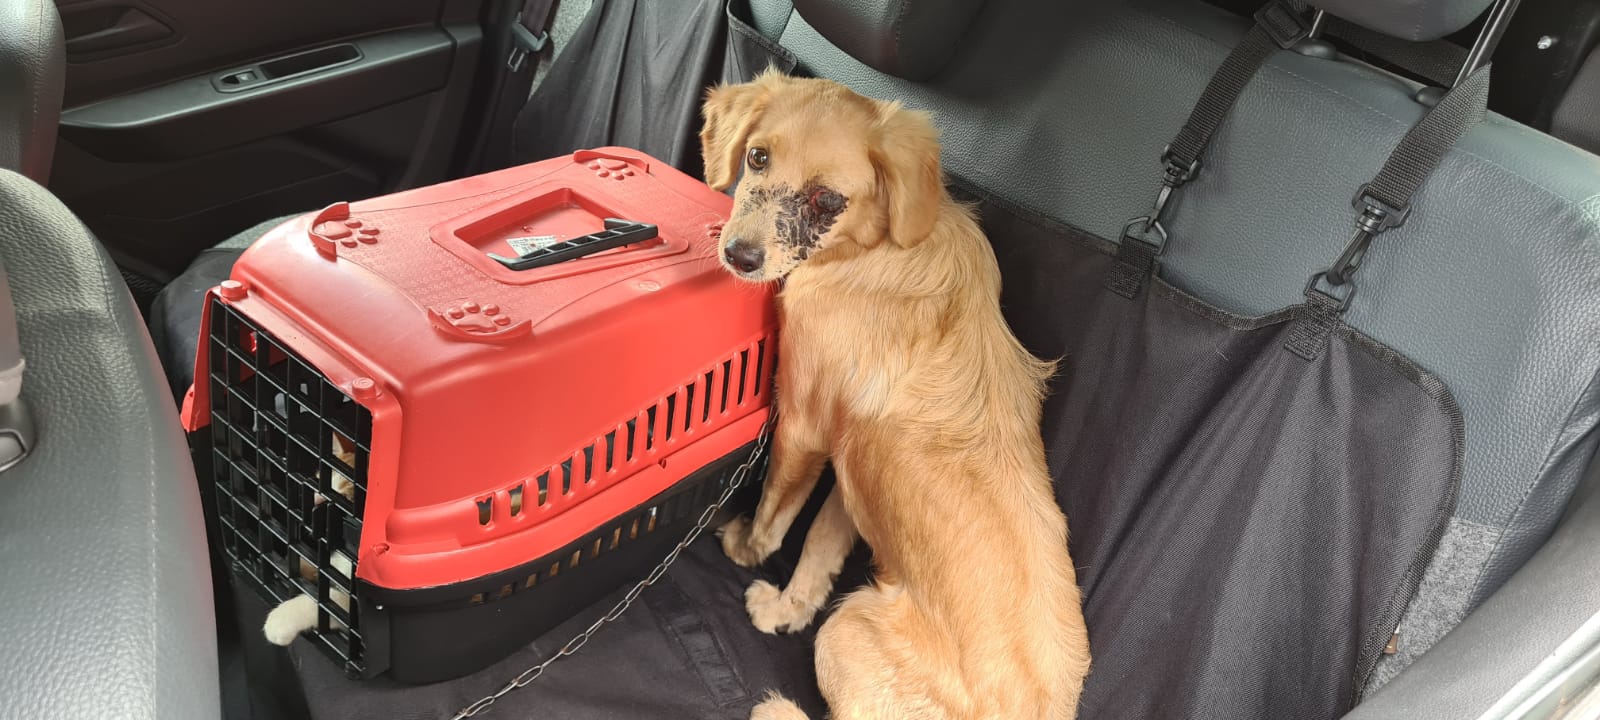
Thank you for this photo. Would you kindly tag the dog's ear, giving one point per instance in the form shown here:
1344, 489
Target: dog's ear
905, 154
731, 111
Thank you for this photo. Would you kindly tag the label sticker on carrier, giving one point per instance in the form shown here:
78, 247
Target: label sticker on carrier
524, 245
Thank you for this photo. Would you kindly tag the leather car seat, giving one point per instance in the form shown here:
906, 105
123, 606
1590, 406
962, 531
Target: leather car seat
32, 76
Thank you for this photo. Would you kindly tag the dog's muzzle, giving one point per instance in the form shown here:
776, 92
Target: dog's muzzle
744, 257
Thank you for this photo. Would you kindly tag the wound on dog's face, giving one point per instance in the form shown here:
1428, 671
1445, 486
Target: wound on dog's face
801, 216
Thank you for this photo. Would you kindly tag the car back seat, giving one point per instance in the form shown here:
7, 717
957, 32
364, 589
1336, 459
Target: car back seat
1063, 108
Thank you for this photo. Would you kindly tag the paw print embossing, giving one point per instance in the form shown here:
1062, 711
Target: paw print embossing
475, 318
611, 168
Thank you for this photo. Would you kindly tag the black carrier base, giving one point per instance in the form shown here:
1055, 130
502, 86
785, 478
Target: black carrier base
442, 633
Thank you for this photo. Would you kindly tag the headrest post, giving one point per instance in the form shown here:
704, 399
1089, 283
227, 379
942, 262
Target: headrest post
1494, 27
1319, 20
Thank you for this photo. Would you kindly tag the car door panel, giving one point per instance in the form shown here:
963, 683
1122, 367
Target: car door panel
187, 121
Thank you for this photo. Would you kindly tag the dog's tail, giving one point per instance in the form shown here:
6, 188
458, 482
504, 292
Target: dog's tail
777, 707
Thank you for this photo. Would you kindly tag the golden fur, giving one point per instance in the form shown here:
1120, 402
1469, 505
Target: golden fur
897, 365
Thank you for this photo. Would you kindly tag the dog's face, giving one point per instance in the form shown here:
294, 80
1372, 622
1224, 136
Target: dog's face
823, 169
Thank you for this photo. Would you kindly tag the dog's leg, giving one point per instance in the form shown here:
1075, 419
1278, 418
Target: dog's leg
828, 543
797, 460
870, 668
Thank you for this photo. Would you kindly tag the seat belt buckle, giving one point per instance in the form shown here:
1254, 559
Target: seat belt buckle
524, 42
1281, 23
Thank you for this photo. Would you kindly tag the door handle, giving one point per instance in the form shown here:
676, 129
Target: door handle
95, 30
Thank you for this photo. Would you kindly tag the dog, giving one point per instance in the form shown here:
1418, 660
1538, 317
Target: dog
896, 365
299, 614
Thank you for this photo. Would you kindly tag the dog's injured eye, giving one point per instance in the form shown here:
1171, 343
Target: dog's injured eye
757, 158
827, 201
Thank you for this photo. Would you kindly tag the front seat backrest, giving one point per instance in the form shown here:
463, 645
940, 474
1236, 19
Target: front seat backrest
106, 604
32, 75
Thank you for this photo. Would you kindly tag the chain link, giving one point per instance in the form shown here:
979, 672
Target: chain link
740, 475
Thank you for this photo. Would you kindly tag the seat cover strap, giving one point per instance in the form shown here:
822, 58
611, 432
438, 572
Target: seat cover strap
1385, 203
1277, 26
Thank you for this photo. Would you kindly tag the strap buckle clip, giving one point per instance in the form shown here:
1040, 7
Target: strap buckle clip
1332, 291
1382, 215
1281, 23
524, 43
1376, 217
1150, 233
1177, 172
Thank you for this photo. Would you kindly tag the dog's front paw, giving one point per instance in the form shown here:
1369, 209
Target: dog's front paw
736, 543
772, 613
776, 707
286, 621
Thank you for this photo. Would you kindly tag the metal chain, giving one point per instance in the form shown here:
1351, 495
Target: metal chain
740, 474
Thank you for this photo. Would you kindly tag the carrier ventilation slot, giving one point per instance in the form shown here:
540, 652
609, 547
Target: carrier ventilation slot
290, 454
640, 523
698, 404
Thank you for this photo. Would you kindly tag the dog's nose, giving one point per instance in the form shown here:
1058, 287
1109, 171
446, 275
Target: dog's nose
744, 256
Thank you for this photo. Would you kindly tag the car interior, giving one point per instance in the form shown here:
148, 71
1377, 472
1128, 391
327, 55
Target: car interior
145, 144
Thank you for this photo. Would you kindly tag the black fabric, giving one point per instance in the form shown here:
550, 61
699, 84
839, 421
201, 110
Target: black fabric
910, 39
1310, 332
634, 74
1248, 526
1135, 262
175, 315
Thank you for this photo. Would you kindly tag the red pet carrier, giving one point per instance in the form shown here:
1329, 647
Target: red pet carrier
495, 400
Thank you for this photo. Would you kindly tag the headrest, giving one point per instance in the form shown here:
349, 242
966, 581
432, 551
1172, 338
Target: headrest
909, 39
1414, 20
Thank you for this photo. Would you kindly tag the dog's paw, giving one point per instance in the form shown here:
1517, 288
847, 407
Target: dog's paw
772, 613
736, 543
286, 621
776, 707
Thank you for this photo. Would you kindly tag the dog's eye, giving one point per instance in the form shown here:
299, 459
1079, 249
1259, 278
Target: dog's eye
757, 158
827, 200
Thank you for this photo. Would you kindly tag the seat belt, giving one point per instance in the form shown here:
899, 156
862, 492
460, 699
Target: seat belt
1278, 26
530, 34
1385, 203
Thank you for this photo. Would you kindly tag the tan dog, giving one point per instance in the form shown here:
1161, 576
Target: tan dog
897, 365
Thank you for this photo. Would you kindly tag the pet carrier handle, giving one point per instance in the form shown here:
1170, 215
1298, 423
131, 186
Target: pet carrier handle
16, 424
618, 232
